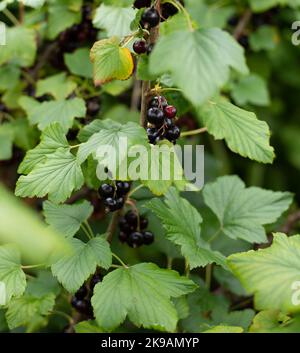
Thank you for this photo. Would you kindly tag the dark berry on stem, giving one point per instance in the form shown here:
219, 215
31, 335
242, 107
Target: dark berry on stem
131, 217
120, 203
170, 111
123, 237
95, 280
81, 293
111, 204
151, 17
148, 237
155, 116
143, 223
135, 239
244, 41
125, 226
93, 106
173, 133
139, 4
158, 102
106, 190
83, 306
123, 187
169, 123
140, 46
167, 10
153, 135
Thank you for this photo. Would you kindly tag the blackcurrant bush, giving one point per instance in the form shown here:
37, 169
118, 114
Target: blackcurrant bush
106, 190
158, 102
170, 111
167, 10
173, 133
81, 293
123, 237
150, 17
155, 116
131, 218
148, 237
140, 46
135, 239
139, 4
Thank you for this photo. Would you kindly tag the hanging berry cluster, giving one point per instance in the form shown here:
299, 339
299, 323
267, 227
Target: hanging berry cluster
114, 196
81, 301
133, 230
161, 121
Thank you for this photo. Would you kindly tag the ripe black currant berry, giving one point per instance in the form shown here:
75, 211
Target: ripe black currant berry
140, 46
83, 306
148, 237
111, 204
123, 187
95, 280
135, 239
233, 21
158, 102
93, 106
139, 4
150, 17
143, 223
244, 41
106, 190
123, 237
153, 135
81, 293
170, 111
173, 133
155, 116
131, 218
167, 10
150, 48
120, 202
125, 226
169, 123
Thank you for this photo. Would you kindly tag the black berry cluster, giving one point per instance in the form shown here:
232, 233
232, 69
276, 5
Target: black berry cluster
81, 301
114, 195
161, 118
133, 230
152, 16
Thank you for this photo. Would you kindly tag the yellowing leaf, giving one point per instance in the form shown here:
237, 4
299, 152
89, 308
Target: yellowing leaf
110, 61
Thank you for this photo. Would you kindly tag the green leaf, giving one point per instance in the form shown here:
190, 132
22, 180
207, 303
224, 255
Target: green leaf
89, 326
20, 48
263, 5
52, 138
11, 273
59, 86
202, 65
44, 283
58, 176
182, 224
74, 62
242, 211
224, 329
61, 15
67, 219
251, 89
115, 20
141, 292
264, 38
110, 61
61, 111
29, 311
73, 270
6, 141
242, 131
116, 87
9, 77
270, 274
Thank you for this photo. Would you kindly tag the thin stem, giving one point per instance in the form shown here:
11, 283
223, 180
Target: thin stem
75, 146
32, 266
180, 7
208, 275
135, 190
136, 93
169, 262
116, 266
86, 232
112, 226
89, 229
62, 314
121, 262
11, 17
210, 240
21, 11
240, 28
194, 132
144, 102
187, 268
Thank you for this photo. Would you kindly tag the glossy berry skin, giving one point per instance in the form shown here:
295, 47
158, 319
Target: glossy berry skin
131, 218
153, 135
139, 4
111, 204
158, 102
140, 47
170, 111
119, 203
155, 116
150, 17
148, 237
83, 306
123, 237
173, 133
143, 223
167, 10
135, 239
81, 293
169, 123
106, 190
123, 187
125, 226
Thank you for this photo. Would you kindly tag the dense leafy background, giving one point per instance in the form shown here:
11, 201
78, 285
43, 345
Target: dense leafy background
225, 258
